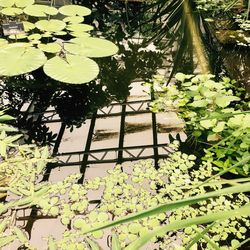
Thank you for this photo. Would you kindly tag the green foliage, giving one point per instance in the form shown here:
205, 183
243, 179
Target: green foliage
177, 186
212, 115
48, 42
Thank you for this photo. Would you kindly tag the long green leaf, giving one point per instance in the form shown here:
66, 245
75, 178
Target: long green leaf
115, 243
162, 230
199, 235
93, 245
174, 205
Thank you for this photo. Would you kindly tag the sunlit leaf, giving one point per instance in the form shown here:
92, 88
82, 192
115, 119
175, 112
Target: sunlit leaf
79, 27
38, 10
74, 10
73, 19
28, 26
50, 47
11, 11
52, 25
73, 69
224, 101
91, 47
20, 60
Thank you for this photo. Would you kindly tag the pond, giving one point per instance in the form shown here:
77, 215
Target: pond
115, 157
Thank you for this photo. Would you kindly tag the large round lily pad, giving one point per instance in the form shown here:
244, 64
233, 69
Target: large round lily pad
17, 3
79, 27
91, 47
28, 26
39, 10
74, 10
73, 19
52, 25
50, 47
20, 60
73, 69
11, 11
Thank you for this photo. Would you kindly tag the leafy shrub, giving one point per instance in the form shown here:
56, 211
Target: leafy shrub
214, 114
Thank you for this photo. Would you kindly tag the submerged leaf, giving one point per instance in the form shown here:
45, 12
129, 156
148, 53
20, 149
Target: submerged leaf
74, 69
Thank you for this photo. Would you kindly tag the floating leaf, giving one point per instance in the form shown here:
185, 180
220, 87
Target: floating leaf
18, 36
79, 27
91, 47
74, 10
28, 26
39, 10
50, 47
74, 69
52, 25
6, 3
10, 11
73, 19
60, 33
23, 3
20, 60
80, 34
34, 36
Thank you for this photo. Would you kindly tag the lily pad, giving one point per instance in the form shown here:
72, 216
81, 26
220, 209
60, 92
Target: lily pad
6, 3
73, 69
91, 47
35, 36
39, 10
79, 34
18, 36
23, 3
28, 26
79, 27
10, 11
52, 25
74, 10
73, 19
50, 47
60, 33
20, 60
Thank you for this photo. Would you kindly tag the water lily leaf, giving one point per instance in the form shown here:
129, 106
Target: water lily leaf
50, 47
79, 34
60, 33
73, 69
52, 25
20, 60
39, 10
91, 47
73, 19
28, 26
17, 44
6, 3
74, 10
10, 11
224, 101
79, 27
47, 34
23, 3
18, 36
34, 36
